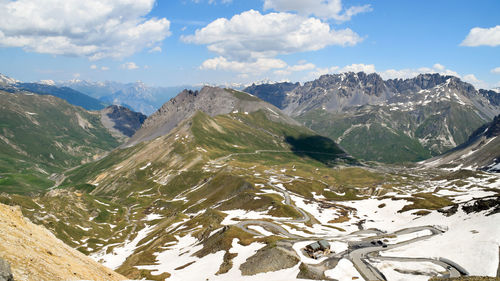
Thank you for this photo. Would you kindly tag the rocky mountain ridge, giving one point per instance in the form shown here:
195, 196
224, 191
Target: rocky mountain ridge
210, 100
481, 151
415, 118
336, 92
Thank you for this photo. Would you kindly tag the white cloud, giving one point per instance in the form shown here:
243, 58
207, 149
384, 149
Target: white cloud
259, 65
301, 66
93, 66
251, 35
155, 49
325, 9
368, 68
409, 73
439, 66
496, 70
479, 84
130, 66
92, 28
322, 71
104, 68
483, 37
214, 1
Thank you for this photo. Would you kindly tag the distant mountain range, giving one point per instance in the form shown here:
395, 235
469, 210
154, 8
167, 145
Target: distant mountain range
413, 118
136, 96
45, 88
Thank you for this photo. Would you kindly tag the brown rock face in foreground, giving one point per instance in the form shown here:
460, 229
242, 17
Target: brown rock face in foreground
34, 253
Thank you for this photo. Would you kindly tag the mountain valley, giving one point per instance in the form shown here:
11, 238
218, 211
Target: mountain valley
218, 184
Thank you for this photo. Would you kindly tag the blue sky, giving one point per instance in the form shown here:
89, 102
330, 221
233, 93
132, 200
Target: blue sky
168, 42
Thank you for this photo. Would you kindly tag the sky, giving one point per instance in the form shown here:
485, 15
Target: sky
192, 42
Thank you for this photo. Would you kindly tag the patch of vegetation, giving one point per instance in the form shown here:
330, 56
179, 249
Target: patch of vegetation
426, 201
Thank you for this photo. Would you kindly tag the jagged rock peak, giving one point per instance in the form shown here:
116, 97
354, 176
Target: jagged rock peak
494, 128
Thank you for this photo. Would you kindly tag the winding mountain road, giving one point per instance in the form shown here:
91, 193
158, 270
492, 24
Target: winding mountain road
360, 256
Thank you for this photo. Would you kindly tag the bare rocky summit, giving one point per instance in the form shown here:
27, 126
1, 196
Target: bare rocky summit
210, 100
121, 120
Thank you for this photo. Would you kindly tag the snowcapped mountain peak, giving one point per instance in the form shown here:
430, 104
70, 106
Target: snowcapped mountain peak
7, 80
47, 82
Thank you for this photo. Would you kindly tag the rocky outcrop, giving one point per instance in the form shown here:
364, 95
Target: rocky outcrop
35, 254
5, 271
492, 95
481, 151
269, 259
121, 120
274, 93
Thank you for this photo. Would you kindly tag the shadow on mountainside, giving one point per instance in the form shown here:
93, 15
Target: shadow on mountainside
321, 149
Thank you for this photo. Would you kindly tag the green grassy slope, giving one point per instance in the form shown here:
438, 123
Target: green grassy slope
202, 139
41, 135
379, 134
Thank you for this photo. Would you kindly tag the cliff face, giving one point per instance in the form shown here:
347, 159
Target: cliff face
34, 253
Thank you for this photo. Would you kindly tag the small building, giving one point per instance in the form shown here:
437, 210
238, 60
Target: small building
318, 249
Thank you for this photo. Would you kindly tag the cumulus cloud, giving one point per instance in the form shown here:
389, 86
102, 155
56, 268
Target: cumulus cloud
301, 66
479, 84
90, 28
93, 66
409, 72
439, 67
252, 35
130, 66
496, 70
482, 37
325, 9
368, 68
260, 65
155, 49
214, 1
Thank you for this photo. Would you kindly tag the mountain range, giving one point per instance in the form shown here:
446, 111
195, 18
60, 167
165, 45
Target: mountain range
414, 118
11, 85
137, 96
219, 184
